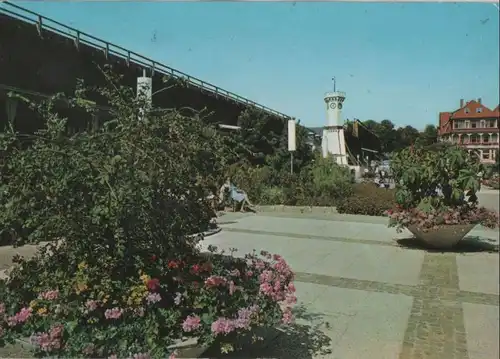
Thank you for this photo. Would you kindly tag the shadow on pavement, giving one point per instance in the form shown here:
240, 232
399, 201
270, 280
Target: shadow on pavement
305, 339
469, 244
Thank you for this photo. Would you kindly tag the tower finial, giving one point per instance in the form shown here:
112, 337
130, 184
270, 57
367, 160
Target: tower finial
334, 84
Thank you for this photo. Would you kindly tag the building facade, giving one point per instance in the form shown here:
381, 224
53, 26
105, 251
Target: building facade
473, 126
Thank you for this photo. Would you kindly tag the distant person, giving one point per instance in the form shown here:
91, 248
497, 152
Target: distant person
236, 194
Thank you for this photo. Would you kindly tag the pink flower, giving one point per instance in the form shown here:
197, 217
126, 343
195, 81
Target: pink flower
266, 276
249, 273
113, 356
173, 355
20, 317
91, 305
291, 287
153, 298
49, 295
223, 326
266, 288
191, 323
287, 316
245, 317
114, 313
49, 341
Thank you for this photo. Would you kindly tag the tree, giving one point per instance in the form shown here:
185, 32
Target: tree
428, 136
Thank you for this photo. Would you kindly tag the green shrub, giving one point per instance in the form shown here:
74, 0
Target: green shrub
367, 199
273, 196
322, 183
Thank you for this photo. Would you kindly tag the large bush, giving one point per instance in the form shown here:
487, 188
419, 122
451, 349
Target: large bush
120, 276
367, 199
321, 183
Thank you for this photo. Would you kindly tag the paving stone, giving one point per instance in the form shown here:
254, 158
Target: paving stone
481, 327
475, 274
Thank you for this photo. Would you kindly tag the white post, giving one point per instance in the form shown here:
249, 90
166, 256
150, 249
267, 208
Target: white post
291, 141
144, 93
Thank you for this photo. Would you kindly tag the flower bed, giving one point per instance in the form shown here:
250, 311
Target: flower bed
166, 301
435, 219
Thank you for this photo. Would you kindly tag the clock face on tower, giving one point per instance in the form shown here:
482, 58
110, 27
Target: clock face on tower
332, 105
340, 106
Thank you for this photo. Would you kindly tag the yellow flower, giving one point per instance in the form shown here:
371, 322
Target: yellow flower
33, 304
80, 287
145, 278
42, 311
82, 265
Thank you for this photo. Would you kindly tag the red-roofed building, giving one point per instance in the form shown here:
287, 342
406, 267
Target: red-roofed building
473, 126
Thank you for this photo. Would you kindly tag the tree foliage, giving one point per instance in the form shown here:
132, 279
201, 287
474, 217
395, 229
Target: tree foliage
396, 139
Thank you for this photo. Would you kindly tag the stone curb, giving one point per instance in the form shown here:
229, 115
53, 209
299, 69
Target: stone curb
301, 209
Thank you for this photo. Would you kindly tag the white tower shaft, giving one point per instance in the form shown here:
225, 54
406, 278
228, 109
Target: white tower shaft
333, 142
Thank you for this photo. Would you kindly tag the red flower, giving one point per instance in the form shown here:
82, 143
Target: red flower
173, 264
153, 284
153, 258
196, 269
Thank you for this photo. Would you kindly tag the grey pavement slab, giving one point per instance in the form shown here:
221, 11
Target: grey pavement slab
478, 272
317, 227
489, 198
374, 263
481, 327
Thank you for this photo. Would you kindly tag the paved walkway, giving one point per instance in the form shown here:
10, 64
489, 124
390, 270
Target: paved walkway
361, 295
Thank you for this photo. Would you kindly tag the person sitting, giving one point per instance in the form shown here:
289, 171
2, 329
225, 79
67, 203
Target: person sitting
236, 194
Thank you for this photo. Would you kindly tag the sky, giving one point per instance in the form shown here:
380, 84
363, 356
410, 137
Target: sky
405, 62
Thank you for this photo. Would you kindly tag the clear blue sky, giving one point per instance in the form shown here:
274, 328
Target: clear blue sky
397, 61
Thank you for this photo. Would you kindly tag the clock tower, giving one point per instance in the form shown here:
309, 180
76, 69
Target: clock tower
333, 142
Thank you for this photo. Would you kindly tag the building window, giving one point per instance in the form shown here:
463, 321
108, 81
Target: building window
467, 124
486, 155
491, 123
482, 124
479, 110
473, 124
466, 110
473, 139
486, 138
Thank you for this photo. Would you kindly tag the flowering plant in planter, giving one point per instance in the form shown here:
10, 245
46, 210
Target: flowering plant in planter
121, 275
436, 186
88, 311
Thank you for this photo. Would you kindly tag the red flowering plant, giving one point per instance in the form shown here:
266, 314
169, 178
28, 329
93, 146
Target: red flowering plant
120, 275
436, 186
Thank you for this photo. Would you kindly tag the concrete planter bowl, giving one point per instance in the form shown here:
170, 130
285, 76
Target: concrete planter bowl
445, 237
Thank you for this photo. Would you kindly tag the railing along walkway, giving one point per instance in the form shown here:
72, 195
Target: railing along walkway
44, 23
